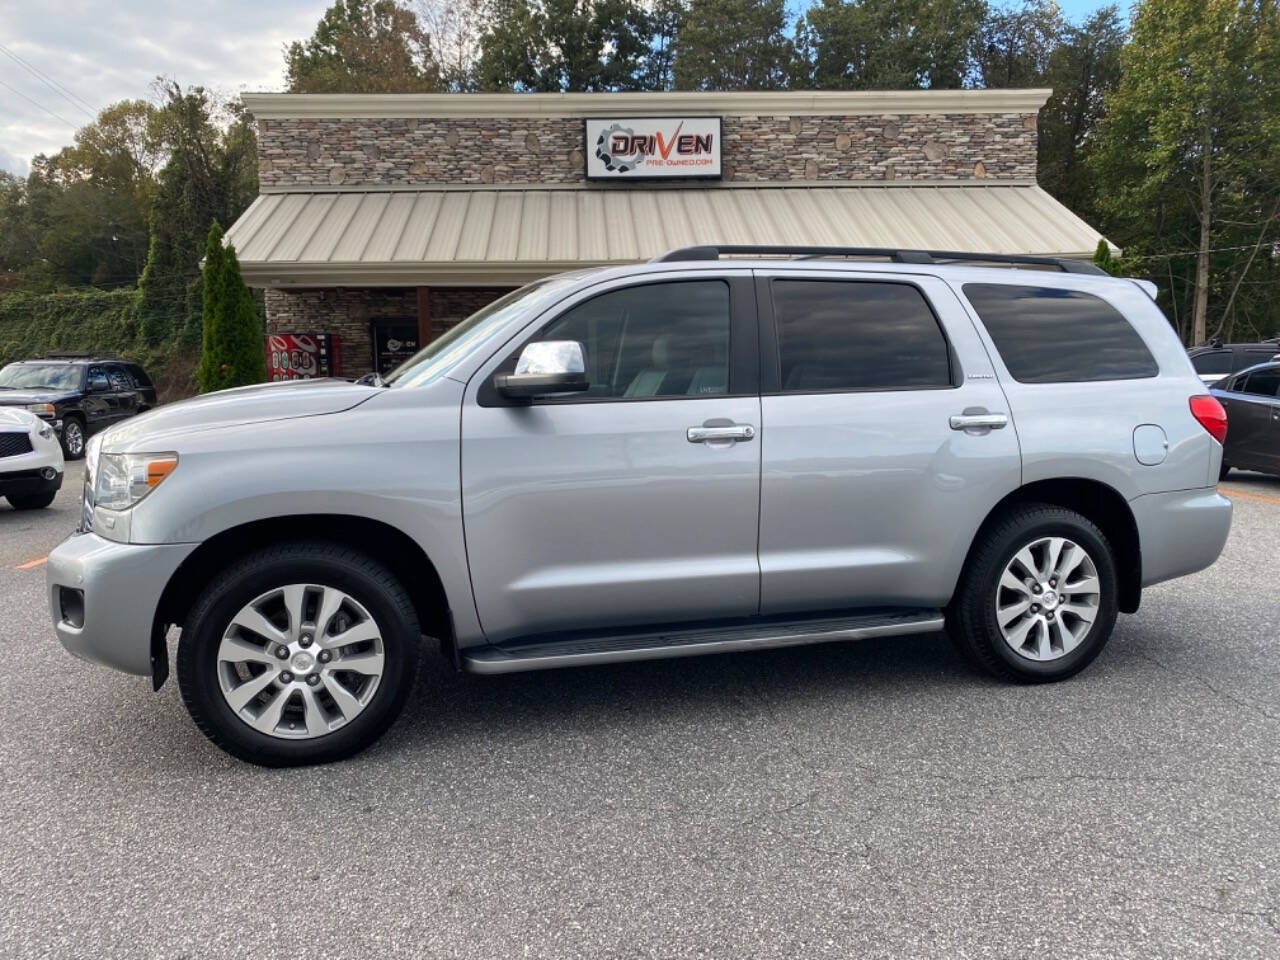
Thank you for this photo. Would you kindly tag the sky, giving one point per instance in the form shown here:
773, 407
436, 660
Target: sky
109, 50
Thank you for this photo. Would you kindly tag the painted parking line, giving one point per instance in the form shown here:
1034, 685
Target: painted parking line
32, 564
1228, 491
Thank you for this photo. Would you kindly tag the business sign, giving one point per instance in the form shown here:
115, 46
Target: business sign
394, 342
648, 148
297, 356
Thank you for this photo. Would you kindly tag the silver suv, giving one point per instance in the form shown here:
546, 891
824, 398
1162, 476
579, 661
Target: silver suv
696, 455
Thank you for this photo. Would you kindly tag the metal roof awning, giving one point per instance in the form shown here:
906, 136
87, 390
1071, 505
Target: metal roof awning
510, 235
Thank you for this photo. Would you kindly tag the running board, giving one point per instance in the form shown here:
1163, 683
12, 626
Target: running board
693, 643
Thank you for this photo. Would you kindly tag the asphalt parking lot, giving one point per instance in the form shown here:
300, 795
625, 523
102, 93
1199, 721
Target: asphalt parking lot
853, 800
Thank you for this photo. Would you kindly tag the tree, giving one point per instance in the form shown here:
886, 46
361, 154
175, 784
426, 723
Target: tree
232, 353
363, 46
551, 46
1189, 151
733, 45
890, 44
1082, 70
1014, 45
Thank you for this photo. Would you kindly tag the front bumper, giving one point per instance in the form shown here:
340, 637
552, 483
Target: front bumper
103, 597
1180, 532
23, 483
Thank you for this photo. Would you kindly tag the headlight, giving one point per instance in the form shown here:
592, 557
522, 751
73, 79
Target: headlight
122, 479
41, 409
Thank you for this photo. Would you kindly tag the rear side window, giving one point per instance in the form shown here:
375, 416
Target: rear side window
857, 335
139, 375
1219, 361
1046, 335
1262, 383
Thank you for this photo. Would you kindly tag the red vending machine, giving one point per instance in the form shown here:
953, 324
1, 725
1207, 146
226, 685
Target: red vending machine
301, 356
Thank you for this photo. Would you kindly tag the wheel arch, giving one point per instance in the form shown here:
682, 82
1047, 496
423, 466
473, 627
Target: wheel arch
402, 555
1100, 503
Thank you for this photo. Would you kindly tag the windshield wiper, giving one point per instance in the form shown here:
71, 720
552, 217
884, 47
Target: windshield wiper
373, 379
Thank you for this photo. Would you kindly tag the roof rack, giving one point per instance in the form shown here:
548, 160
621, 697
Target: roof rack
73, 355
716, 251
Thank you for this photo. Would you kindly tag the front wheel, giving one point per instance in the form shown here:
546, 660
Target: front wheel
304, 653
73, 435
31, 501
1037, 600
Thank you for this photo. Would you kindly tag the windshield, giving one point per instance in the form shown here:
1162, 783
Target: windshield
431, 362
40, 376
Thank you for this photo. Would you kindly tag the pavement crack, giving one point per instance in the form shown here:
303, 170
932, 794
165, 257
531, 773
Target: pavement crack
1217, 691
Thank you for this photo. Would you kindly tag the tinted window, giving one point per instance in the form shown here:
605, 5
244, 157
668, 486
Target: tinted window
1046, 335
139, 375
1262, 383
657, 340
120, 380
857, 335
1217, 362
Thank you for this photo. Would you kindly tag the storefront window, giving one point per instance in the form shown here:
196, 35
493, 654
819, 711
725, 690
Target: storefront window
431, 362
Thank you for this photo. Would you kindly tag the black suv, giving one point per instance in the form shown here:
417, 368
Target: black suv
78, 394
1217, 360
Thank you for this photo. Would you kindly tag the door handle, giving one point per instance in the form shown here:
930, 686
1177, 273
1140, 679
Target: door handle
979, 421
742, 431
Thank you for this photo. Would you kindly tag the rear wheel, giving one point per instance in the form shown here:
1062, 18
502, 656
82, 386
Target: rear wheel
31, 501
302, 654
1037, 600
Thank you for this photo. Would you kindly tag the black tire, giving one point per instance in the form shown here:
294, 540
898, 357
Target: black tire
971, 618
74, 437
31, 501
1224, 470
312, 562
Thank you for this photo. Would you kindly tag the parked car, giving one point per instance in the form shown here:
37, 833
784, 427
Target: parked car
694, 455
79, 395
1252, 401
30, 460
1217, 360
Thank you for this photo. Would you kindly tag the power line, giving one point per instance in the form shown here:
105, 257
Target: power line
40, 105
72, 98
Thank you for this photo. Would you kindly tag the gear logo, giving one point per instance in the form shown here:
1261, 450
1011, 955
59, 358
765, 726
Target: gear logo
613, 162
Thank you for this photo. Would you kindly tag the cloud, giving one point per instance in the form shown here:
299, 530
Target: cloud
105, 52
13, 164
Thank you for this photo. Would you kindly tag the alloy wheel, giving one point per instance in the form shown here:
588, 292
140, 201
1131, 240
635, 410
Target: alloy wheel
1047, 598
300, 661
74, 437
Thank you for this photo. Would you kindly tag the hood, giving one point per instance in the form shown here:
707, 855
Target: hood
13, 398
235, 408
13, 418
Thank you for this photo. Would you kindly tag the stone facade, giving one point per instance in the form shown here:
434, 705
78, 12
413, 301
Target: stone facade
424, 152
348, 312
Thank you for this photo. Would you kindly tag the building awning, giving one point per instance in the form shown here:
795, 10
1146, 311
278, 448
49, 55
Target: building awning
510, 235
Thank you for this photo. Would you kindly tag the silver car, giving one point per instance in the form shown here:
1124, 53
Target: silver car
702, 454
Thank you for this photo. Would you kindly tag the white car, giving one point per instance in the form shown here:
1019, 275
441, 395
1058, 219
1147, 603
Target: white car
30, 460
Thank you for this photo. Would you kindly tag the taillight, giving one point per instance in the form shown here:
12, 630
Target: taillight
1209, 413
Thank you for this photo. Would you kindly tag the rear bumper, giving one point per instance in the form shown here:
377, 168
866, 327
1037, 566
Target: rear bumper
113, 591
1180, 532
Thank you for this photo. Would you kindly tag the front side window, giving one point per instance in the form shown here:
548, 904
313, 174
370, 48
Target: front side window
1218, 361
857, 335
1049, 335
656, 340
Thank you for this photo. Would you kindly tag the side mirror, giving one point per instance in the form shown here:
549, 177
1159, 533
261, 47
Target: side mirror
98, 385
544, 368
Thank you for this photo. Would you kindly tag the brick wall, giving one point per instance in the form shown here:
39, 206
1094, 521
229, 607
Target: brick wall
411, 152
348, 312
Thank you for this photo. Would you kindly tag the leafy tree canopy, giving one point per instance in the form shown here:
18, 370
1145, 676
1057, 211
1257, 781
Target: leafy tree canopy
364, 46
